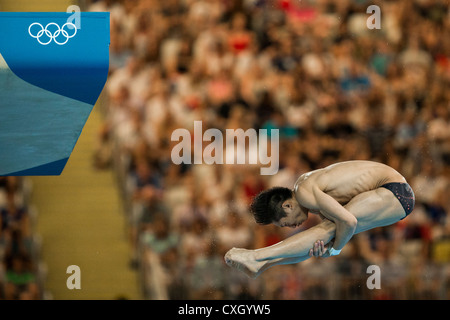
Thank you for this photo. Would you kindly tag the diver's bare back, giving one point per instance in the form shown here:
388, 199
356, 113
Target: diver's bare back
345, 180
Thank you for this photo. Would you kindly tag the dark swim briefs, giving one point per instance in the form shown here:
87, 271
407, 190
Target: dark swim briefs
404, 193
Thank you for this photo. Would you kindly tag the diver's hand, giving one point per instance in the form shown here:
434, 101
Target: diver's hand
320, 250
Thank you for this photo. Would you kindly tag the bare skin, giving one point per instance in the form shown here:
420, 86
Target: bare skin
348, 198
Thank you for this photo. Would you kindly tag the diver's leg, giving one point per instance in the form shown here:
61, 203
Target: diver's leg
292, 250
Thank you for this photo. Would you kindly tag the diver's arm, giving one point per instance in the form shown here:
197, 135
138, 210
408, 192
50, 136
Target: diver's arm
333, 210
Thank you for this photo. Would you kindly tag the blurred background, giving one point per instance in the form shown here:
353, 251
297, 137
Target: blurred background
140, 227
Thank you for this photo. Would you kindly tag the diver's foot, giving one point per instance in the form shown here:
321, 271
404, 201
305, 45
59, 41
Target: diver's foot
243, 260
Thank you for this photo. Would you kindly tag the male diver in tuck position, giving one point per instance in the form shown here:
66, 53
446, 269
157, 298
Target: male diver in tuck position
350, 197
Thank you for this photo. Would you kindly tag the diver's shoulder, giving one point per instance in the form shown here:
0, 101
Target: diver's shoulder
308, 176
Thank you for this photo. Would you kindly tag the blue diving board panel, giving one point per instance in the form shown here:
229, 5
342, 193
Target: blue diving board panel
51, 75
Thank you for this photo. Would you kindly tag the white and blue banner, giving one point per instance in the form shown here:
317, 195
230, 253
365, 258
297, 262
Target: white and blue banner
52, 71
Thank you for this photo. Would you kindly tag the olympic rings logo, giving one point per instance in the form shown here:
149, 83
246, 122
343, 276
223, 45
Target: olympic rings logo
50, 36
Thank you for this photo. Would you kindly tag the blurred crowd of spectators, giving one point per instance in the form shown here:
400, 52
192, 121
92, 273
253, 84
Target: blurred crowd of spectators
335, 89
21, 272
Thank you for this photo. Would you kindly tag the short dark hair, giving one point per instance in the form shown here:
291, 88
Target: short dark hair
266, 206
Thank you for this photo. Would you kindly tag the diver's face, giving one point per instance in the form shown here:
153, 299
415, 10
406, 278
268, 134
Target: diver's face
295, 216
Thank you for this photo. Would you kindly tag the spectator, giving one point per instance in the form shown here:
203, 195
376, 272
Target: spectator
234, 233
207, 279
20, 281
159, 238
14, 218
